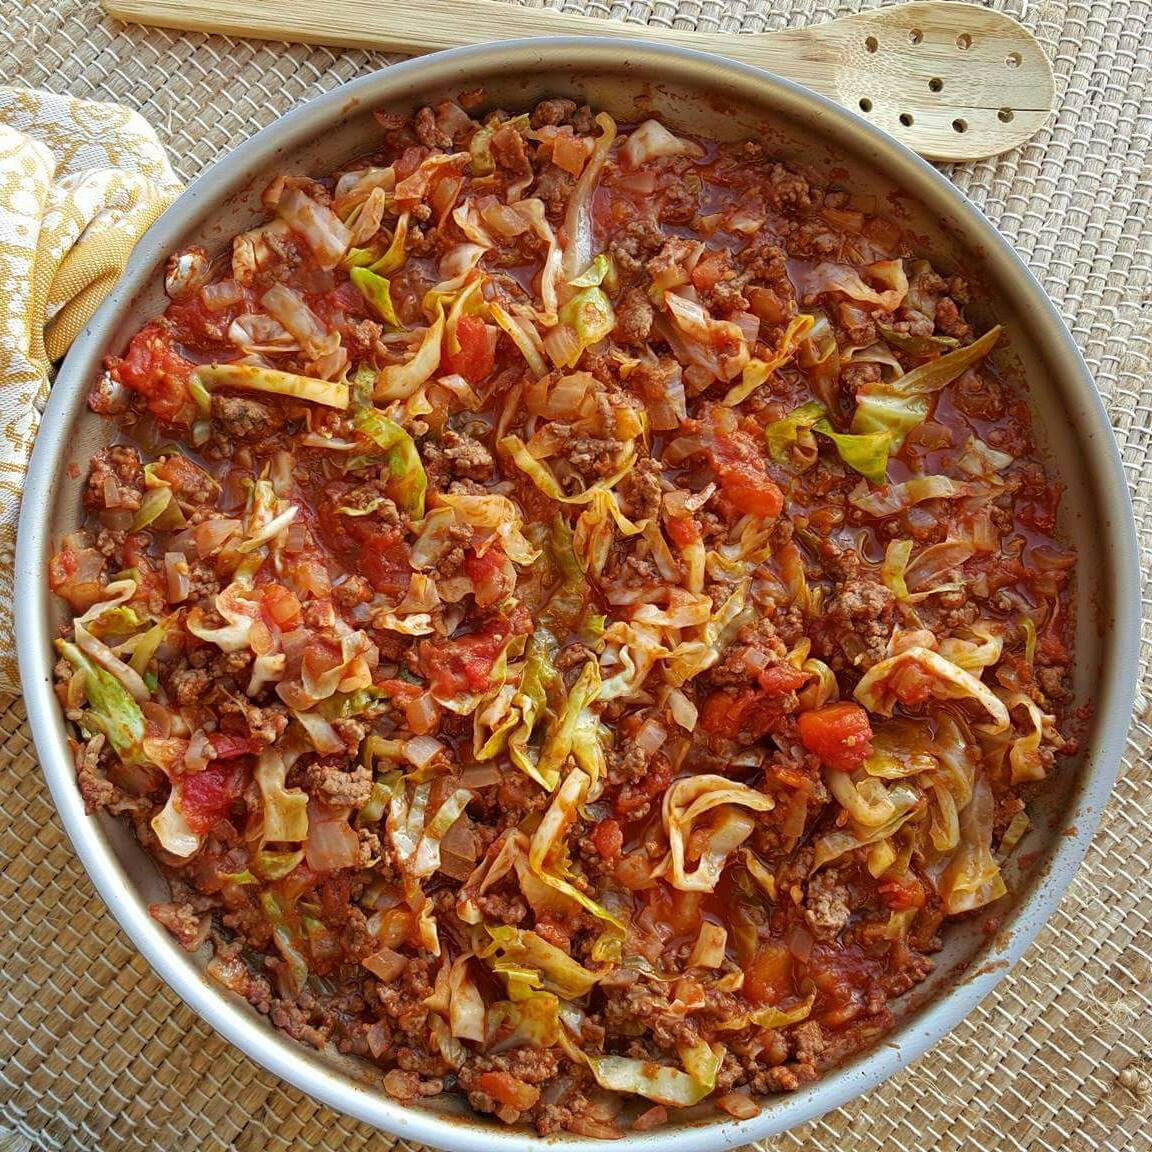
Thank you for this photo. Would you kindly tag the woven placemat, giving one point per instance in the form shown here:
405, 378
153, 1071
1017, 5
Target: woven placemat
97, 1054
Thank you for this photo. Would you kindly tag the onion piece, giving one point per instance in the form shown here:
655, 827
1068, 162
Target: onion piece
177, 576
421, 750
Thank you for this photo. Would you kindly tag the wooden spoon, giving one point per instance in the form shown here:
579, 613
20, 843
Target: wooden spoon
952, 81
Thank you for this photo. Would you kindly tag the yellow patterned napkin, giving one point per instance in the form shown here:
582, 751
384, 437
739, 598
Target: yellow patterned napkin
79, 184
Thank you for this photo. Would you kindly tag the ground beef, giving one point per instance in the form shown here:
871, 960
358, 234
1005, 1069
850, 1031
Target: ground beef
808, 1042
642, 490
339, 784
352, 590
554, 186
979, 395
639, 241
856, 625
467, 457
429, 133
98, 791
634, 316
119, 467
244, 419
183, 922
787, 190
189, 685
509, 152
553, 113
502, 907
826, 904
265, 724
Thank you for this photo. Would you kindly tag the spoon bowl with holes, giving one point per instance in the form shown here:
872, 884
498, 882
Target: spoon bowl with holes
717, 98
949, 80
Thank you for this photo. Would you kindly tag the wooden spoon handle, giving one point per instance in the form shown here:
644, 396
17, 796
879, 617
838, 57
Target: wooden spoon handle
430, 26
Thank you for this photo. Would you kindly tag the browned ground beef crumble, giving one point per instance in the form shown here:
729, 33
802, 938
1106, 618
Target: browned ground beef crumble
573, 613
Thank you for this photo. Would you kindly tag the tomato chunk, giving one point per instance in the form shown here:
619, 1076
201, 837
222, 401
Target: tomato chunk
152, 368
748, 714
507, 1089
460, 665
739, 467
205, 797
608, 838
840, 734
477, 353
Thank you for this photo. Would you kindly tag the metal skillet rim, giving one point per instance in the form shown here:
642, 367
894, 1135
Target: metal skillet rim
286, 1057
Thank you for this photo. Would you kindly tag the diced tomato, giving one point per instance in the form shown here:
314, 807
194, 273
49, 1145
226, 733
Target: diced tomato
840, 734
205, 797
680, 911
193, 324
401, 691
745, 714
769, 976
383, 554
608, 838
152, 368
228, 747
487, 574
683, 530
477, 353
912, 685
280, 606
569, 153
637, 795
709, 269
410, 160
780, 679
903, 892
506, 1089
739, 466
454, 667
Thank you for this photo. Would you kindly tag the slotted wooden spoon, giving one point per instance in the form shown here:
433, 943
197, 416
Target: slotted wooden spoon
952, 81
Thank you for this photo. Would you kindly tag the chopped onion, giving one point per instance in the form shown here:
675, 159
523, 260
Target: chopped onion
222, 294
199, 752
332, 844
421, 750
186, 272
651, 736
477, 776
386, 965
800, 942
683, 711
176, 574
738, 1105
748, 324
422, 714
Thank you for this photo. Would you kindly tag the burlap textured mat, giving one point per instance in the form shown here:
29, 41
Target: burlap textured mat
97, 1054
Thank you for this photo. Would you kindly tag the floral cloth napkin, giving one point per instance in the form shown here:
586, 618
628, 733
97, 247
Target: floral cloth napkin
80, 182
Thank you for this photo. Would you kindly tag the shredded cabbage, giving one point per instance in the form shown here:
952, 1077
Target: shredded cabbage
547, 853
522, 949
399, 381
685, 802
548, 484
927, 672
756, 371
252, 378
898, 406
409, 482
285, 809
111, 708
378, 292
659, 1083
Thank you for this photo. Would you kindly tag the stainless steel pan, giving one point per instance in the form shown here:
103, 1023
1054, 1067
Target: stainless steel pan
716, 98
